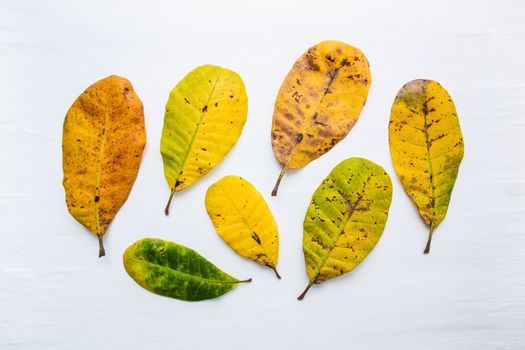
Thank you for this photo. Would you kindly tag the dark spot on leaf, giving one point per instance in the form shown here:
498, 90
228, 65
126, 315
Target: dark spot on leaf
256, 238
296, 96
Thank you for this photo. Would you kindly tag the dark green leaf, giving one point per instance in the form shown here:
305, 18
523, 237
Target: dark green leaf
175, 271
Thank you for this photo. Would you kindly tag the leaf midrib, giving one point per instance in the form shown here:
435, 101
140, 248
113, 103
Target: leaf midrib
194, 136
243, 219
352, 209
429, 158
190, 276
307, 121
99, 162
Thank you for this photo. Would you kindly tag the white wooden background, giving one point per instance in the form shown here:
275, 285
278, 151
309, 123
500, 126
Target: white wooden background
469, 293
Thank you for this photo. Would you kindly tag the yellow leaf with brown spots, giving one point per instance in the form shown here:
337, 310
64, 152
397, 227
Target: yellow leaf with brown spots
102, 144
426, 145
319, 102
204, 118
345, 219
244, 220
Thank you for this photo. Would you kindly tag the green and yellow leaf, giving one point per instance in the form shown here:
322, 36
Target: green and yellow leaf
345, 219
426, 145
204, 118
319, 102
102, 144
175, 271
243, 220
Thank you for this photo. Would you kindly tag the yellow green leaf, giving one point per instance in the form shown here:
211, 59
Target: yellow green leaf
204, 118
426, 145
244, 220
102, 144
345, 219
319, 102
175, 271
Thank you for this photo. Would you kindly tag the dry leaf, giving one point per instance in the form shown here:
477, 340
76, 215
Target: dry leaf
244, 220
345, 219
102, 146
204, 118
319, 102
426, 147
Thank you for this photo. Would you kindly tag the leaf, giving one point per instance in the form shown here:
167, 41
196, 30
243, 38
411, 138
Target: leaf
244, 220
205, 115
319, 102
102, 144
175, 271
426, 147
345, 219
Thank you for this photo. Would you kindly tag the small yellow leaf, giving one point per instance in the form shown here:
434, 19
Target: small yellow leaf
244, 220
102, 144
426, 145
345, 219
319, 102
205, 115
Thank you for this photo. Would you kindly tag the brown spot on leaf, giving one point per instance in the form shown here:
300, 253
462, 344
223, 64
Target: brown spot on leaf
256, 238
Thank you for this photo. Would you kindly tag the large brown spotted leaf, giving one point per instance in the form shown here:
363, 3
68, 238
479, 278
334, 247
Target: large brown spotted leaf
319, 102
102, 144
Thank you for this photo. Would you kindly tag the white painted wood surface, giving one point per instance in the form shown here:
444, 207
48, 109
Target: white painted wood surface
467, 294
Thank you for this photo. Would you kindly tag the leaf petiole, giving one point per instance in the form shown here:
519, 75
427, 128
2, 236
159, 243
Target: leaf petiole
310, 284
278, 182
427, 248
101, 250
167, 209
276, 273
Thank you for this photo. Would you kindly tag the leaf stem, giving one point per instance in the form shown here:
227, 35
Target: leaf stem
278, 182
101, 250
310, 284
245, 281
167, 209
298, 140
427, 248
276, 273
